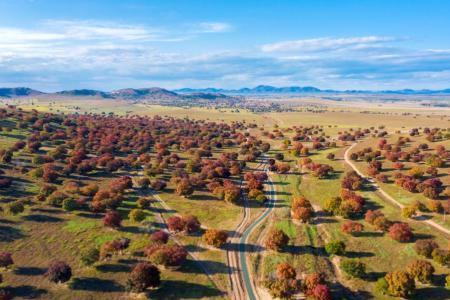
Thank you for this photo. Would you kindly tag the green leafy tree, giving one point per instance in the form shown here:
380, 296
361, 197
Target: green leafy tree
353, 268
335, 248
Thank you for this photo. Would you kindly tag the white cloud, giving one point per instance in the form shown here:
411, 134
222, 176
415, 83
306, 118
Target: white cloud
91, 30
326, 44
213, 27
104, 55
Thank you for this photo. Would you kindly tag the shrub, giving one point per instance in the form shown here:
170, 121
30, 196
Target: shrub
56, 198
416, 172
311, 281
400, 284
285, 271
6, 259
214, 237
335, 248
5, 294
381, 286
278, 289
160, 237
90, 256
191, 224
184, 188
143, 276
58, 272
351, 227
321, 292
352, 181
353, 268
231, 195
143, 182
136, 215
434, 206
441, 256
421, 270
425, 247
401, 232
175, 223
303, 214
69, 204
89, 190
111, 247
112, 219
447, 281
261, 199
408, 211
143, 202
332, 205
167, 255
276, 239
15, 207
382, 224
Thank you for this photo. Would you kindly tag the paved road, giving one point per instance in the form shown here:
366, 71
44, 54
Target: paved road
249, 283
386, 196
241, 281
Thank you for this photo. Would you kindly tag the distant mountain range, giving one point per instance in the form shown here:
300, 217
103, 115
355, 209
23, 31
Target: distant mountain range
267, 89
144, 95
206, 94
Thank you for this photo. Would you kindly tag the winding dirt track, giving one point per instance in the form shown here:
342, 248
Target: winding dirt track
388, 197
163, 221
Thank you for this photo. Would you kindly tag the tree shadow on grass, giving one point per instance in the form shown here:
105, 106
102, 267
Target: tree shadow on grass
134, 229
201, 197
113, 268
128, 261
322, 220
177, 289
213, 267
5, 221
47, 210
341, 292
27, 292
250, 248
421, 236
95, 285
10, 234
29, 271
355, 254
369, 234
431, 292
159, 210
194, 248
374, 276
89, 215
42, 218
298, 250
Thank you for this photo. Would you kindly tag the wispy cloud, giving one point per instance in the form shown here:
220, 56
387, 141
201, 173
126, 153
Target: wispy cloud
326, 44
213, 27
60, 54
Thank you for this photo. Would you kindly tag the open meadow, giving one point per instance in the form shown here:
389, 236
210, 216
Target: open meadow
59, 192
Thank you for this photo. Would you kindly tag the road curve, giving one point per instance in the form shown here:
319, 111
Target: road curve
385, 195
249, 284
237, 287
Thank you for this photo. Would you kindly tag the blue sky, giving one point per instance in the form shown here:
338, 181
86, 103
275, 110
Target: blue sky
383, 44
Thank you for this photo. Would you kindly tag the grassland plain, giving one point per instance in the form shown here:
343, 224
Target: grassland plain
372, 248
327, 113
306, 252
400, 194
41, 233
